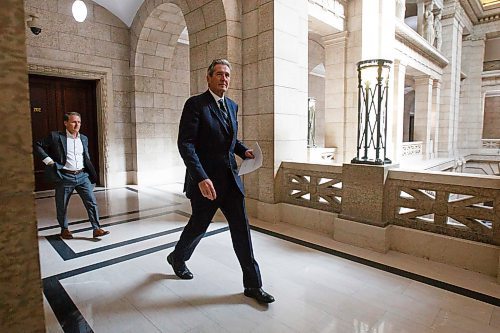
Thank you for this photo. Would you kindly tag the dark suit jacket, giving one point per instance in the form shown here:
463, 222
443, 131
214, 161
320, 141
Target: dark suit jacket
55, 146
207, 145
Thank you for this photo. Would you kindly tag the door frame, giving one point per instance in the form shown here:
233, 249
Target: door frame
104, 94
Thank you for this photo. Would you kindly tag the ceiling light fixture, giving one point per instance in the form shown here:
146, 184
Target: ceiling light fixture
79, 10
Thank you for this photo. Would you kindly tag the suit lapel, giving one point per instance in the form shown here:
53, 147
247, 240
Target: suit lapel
64, 143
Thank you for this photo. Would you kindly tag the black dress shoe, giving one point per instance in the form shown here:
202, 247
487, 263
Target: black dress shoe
260, 295
180, 270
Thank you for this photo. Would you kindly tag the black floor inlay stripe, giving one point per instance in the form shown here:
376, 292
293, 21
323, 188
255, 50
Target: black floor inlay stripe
65, 310
386, 268
169, 204
104, 217
95, 191
67, 252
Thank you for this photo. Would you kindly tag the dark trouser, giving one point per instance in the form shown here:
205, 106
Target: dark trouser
232, 204
65, 188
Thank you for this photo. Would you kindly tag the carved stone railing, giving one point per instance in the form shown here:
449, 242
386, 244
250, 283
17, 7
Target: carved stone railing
458, 205
334, 6
491, 143
463, 206
413, 148
313, 186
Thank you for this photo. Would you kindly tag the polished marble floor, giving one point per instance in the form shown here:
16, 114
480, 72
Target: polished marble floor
122, 282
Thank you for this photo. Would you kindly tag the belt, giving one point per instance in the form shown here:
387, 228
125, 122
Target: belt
73, 172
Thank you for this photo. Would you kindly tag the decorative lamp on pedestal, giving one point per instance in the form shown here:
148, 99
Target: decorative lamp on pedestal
373, 84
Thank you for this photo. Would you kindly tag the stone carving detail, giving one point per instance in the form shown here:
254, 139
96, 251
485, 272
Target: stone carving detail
438, 30
453, 210
329, 5
429, 34
311, 123
311, 189
412, 148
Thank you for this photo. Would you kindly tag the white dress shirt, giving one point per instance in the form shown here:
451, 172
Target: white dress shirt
74, 154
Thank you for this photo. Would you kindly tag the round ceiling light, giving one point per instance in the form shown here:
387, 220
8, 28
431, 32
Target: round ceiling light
79, 10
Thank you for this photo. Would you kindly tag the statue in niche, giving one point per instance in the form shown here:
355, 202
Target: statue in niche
400, 9
438, 29
429, 24
311, 123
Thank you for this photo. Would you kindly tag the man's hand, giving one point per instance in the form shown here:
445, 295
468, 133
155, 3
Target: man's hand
249, 154
207, 189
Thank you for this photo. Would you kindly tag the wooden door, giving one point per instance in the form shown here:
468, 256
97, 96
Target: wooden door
50, 99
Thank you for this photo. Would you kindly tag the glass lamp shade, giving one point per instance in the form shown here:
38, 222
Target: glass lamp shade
79, 10
374, 71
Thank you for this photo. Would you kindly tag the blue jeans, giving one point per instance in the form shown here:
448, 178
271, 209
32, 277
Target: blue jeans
83, 187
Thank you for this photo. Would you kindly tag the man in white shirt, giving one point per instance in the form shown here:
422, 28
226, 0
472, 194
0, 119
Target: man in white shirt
68, 165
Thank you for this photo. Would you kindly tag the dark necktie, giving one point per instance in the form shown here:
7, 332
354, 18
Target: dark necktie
225, 115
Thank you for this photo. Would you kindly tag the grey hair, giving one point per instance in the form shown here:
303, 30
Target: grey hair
69, 114
211, 68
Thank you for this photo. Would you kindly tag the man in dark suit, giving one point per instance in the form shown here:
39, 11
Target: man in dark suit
67, 160
207, 143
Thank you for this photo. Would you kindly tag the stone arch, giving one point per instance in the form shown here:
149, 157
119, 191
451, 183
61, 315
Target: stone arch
161, 88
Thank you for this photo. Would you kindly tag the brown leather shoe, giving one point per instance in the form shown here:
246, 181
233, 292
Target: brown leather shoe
100, 232
66, 234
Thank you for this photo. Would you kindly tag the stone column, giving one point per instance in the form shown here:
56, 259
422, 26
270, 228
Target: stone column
275, 92
368, 22
353, 55
290, 67
470, 124
423, 112
449, 107
21, 306
335, 72
363, 202
420, 17
395, 143
436, 99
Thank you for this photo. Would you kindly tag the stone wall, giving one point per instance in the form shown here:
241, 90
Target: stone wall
21, 308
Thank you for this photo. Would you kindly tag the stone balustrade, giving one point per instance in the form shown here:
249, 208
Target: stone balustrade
491, 143
311, 185
463, 206
413, 148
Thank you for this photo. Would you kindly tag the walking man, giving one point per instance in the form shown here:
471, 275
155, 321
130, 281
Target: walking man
207, 142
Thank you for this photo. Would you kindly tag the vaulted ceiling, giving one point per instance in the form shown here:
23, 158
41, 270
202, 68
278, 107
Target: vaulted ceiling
126, 9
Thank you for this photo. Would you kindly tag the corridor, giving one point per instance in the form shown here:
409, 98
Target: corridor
122, 283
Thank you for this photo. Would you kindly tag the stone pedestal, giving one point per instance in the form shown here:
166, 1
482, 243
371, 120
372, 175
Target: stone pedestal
363, 193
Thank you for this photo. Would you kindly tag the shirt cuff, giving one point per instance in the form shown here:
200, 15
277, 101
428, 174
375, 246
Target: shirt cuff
47, 160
